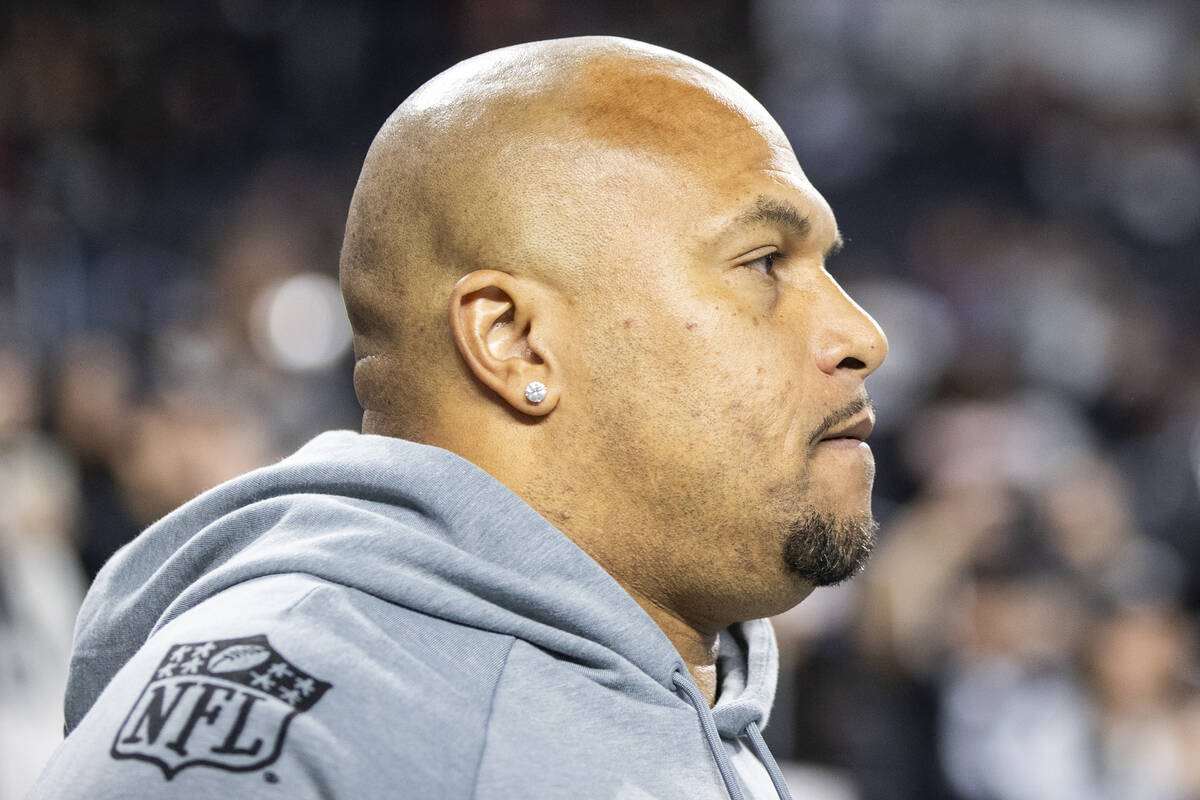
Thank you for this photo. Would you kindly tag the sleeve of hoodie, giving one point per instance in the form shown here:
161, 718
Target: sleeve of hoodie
288, 687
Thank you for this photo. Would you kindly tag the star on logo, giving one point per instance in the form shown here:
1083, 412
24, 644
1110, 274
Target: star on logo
263, 681
289, 696
179, 652
167, 671
303, 685
191, 667
203, 650
280, 670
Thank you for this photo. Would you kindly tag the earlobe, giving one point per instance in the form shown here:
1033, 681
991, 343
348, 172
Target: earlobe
492, 315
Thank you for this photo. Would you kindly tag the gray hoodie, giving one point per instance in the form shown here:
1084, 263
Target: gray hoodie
376, 618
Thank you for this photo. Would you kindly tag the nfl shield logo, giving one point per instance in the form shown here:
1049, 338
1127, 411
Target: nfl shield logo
224, 703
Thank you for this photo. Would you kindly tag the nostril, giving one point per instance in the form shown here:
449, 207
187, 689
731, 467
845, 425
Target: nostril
850, 362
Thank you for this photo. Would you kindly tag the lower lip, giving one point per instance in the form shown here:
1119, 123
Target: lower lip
845, 444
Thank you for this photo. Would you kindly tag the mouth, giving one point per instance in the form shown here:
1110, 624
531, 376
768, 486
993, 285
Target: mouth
853, 432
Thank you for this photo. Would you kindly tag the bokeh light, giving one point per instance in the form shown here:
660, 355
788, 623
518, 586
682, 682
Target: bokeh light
300, 324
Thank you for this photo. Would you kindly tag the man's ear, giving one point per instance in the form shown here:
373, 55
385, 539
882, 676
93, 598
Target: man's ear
492, 317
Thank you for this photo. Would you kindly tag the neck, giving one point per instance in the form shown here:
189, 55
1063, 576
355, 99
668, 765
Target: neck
698, 649
527, 479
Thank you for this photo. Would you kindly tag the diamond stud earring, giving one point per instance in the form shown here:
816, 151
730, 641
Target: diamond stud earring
535, 392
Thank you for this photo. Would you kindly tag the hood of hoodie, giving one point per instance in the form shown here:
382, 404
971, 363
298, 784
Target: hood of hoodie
412, 525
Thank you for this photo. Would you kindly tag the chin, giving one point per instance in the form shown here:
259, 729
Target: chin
825, 549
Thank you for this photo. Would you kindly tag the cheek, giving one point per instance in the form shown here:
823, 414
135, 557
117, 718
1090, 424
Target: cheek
764, 391
718, 370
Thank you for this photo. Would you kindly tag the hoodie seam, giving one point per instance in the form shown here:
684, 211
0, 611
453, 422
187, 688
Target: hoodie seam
487, 726
320, 584
292, 606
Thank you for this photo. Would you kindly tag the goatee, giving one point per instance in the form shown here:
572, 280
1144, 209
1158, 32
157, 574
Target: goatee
825, 550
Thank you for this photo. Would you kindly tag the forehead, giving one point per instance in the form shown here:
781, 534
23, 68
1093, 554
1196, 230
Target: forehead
602, 173
675, 109
699, 143
709, 194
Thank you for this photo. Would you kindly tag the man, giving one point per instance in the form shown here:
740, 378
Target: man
587, 276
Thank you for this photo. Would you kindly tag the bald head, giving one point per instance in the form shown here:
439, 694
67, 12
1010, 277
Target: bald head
630, 229
521, 160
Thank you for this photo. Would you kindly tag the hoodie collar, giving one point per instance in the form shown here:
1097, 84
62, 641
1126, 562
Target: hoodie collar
747, 668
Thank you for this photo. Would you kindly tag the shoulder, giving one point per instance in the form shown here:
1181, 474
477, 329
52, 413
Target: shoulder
293, 681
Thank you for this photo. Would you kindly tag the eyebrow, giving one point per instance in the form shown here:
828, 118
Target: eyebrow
785, 215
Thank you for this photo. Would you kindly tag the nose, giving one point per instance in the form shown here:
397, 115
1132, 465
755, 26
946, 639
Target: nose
850, 341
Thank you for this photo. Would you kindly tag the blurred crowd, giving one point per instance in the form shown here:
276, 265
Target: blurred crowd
1019, 185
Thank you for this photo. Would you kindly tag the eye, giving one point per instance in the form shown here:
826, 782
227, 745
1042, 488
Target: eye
764, 264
